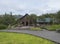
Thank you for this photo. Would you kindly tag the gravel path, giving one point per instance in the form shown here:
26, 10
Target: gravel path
51, 35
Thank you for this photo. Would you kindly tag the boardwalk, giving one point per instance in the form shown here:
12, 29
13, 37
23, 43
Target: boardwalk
51, 35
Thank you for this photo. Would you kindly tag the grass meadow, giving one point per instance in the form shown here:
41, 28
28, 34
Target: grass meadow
18, 38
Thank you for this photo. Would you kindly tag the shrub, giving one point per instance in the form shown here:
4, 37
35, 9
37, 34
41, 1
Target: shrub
36, 28
3, 26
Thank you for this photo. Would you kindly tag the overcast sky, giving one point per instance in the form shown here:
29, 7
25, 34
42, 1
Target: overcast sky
29, 6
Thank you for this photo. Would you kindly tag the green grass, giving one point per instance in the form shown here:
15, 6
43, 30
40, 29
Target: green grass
17, 38
36, 28
53, 27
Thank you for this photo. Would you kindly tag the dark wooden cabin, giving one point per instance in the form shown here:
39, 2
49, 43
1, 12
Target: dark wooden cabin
25, 20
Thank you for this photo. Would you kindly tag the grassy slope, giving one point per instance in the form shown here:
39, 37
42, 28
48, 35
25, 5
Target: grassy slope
53, 27
14, 38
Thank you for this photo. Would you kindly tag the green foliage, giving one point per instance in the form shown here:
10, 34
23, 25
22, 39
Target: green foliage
50, 15
2, 26
55, 16
58, 16
14, 38
53, 27
7, 19
33, 18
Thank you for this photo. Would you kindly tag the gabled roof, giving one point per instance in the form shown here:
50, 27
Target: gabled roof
23, 16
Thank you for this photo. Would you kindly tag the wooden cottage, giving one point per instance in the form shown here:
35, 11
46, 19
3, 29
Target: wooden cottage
25, 20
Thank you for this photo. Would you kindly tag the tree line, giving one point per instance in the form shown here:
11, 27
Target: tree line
9, 19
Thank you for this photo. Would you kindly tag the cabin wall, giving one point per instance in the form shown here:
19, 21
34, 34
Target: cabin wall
25, 21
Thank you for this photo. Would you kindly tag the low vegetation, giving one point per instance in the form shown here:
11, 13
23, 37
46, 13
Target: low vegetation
53, 27
3, 26
14, 38
36, 28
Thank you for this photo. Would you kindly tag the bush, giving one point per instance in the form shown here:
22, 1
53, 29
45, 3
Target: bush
58, 30
3, 26
36, 28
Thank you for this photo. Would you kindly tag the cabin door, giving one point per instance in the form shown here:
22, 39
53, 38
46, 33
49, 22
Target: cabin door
26, 23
